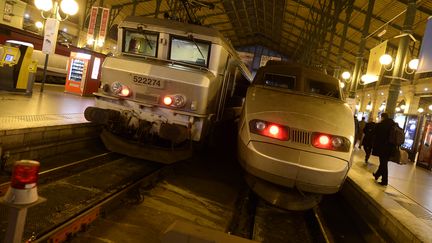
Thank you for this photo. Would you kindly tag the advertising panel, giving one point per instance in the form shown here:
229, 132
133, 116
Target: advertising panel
103, 25
374, 66
425, 57
50, 37
410, 132
92, 22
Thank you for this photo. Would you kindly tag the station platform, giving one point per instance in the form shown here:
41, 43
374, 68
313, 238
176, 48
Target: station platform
403, 208
48, 108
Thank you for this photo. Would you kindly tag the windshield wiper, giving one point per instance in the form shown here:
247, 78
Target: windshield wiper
199, 49
148, 42
140, 28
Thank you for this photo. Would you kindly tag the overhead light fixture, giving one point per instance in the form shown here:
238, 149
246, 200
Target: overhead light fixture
382, 32
385, 59
346, 75
413, 64
39, 25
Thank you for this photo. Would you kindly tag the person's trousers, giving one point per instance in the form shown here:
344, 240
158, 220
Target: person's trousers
383, 168
368, 151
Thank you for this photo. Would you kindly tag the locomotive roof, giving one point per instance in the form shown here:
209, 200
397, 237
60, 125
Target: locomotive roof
297, 69
172, 25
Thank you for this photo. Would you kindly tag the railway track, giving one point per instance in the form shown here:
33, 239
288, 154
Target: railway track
101, 196
78, 189
333, 220
260, 221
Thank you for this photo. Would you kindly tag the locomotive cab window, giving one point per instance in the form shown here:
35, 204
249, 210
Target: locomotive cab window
323, 88
190, 50
140, 42
279, 81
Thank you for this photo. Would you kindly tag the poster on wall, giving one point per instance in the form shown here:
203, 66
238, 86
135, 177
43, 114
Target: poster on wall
50, 37
103, 24
92, 23
7, 12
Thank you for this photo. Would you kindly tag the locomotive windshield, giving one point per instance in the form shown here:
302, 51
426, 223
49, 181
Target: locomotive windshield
140, 42
323, 88
279, 81
289, 82
190, 51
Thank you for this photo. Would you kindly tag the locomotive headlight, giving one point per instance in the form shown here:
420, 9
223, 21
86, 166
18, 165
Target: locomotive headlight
167, 100
116, 87
337, 142
125, 91
120, 89
260, 125
179, 101
175, 100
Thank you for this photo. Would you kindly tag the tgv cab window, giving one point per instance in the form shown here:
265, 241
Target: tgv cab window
190, 51
279, 81
323, 88
140, 42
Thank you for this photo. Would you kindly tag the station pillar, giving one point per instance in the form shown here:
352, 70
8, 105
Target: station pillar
401, 58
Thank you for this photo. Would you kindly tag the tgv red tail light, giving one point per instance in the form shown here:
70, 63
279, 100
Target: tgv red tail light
330, 142
269, 129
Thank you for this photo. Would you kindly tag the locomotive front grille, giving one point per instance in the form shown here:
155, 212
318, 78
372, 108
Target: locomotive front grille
147, 97
299, 136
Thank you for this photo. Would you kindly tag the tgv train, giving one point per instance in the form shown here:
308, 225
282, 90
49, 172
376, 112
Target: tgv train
169, 83
296, 135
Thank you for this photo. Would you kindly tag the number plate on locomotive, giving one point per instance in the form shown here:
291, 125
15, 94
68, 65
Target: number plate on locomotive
148, 81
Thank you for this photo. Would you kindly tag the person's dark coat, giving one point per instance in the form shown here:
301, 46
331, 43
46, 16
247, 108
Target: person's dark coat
381, 144
368, 132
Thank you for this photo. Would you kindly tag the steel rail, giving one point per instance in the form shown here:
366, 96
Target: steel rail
82, 219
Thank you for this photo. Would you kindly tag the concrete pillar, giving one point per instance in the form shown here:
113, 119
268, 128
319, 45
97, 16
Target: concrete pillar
401, 58
410, 99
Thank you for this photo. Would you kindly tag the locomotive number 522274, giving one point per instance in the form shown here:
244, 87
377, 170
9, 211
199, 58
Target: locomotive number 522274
147, 81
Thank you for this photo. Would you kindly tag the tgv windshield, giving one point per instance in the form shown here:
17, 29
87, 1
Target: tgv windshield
190, 51
140, 42
289, 82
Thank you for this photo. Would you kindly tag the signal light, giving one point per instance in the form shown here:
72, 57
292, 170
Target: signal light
177, 100
23, 182
120, 89
330, 142
167, 100
274, 130
125, 91
268, 129
324, 140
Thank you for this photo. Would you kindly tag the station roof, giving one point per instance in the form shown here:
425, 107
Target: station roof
300, 30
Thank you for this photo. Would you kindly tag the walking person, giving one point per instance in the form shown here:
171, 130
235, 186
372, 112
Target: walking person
367, 141
362, 125
356, 130
382, 147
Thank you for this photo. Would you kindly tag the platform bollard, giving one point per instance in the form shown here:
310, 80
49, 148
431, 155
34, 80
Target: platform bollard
21, 195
